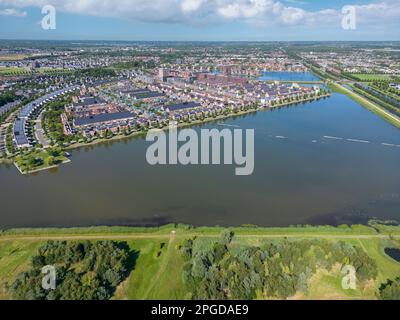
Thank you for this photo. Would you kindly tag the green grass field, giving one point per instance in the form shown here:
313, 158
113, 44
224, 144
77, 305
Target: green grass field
371, 77
13, 57
14, 71
156, 274
157, 270
14, 258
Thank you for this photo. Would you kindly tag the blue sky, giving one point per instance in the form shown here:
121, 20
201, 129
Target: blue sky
232, 20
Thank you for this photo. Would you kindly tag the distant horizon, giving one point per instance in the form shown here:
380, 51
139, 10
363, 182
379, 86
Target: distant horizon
201, 41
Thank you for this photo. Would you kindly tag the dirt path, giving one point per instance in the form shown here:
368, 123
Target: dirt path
362, 246
163, 266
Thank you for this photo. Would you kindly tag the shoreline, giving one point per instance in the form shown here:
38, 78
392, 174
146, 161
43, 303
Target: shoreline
334, 85
181, 125
194, 123
369, 105
6, 161
372, 230
41, 169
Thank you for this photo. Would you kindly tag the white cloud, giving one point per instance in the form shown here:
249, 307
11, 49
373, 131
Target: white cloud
13, 13
293, 16
217, 11
248, 9
191, 5
376, 11
298, 2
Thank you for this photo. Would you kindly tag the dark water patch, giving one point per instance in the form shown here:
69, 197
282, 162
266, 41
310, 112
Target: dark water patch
145, 222
156, 221
393, 253
348, 216
386, 201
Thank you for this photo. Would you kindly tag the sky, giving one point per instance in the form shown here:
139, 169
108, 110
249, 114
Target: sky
203, 20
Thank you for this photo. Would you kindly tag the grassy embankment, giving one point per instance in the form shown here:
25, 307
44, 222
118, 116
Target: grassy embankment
337, 87
366, 103
157, 273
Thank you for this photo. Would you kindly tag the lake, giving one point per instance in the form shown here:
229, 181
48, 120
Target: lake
316, 172
288, 76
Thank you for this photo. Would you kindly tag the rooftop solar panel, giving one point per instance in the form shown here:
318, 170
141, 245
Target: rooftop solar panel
103, 118
181, 106
19, 126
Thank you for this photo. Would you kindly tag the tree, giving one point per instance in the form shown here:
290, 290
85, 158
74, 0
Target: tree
51, 160
219, 270
390, 290
85, 271
227, 237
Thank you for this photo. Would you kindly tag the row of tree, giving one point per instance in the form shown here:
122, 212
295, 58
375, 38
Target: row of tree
385, 86
7, 97
136, 64
52, 121
390, 104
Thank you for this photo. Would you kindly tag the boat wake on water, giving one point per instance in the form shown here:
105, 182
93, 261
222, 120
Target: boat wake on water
385, 144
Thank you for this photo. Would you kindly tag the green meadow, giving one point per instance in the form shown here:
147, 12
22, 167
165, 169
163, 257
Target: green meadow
371, 77
157, 272
14, 71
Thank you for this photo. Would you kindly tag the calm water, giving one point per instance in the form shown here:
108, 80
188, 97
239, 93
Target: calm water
393, 253
304, 178
289, 76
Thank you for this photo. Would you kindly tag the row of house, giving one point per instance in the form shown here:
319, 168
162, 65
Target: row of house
21, 130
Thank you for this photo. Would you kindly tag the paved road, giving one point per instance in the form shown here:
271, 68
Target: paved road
39, 133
